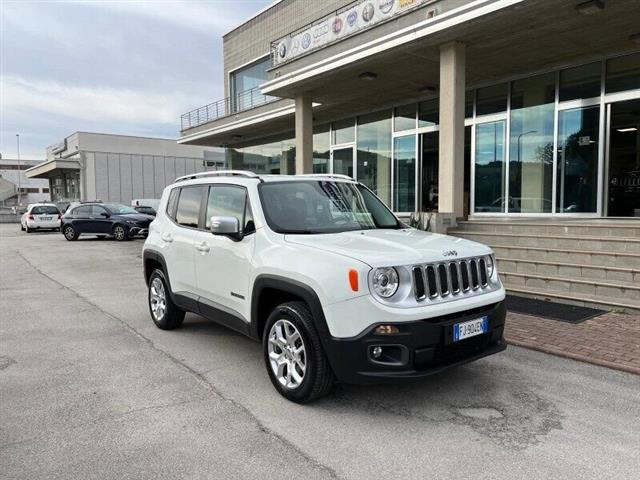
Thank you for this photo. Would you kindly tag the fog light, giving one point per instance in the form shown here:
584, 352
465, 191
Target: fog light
386, 330
376, 352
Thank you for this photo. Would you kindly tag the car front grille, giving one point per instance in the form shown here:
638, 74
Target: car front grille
444, 279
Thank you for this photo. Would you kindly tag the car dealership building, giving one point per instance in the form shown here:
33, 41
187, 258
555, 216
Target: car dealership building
512, 122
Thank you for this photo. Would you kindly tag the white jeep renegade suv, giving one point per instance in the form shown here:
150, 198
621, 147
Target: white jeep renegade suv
319, 270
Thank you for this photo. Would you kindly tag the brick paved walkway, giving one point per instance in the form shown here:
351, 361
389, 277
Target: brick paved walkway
610, 340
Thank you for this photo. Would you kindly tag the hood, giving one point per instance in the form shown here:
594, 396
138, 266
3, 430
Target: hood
392, 247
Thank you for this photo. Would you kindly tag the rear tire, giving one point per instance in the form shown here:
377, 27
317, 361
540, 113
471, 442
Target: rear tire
290, 341
70, 233
29, 230
164, 313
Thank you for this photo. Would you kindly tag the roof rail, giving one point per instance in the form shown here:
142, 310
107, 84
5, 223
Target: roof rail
328, 175
218, 173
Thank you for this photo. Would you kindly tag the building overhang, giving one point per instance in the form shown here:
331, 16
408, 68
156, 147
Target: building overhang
51, 168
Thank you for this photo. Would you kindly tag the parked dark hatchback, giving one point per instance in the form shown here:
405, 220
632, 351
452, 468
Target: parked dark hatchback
119, 221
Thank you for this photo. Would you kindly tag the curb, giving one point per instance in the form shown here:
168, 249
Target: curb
575, 356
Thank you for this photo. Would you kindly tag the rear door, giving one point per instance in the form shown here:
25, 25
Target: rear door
178, 236
222, 263
81, 218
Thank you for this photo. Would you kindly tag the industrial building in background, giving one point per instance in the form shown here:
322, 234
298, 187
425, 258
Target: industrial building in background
512, 122
118, 168
16, 188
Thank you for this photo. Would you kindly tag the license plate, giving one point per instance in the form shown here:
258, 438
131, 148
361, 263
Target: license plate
45, 219
470, 329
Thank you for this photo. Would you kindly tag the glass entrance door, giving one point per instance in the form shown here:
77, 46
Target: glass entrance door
490, 167
623, 195
577, 160
342, 161
429, 161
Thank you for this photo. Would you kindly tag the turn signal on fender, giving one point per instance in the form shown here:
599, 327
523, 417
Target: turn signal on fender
353, 279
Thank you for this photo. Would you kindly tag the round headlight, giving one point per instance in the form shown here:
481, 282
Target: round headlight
490, 265
385, 281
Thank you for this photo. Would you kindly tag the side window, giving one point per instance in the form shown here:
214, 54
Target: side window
228, 201
172, 203
188, 209
97, 211
82, 212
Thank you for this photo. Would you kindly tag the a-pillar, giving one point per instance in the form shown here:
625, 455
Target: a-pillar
451, 147
304, 134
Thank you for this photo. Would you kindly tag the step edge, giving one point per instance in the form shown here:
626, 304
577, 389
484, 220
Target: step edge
600, 301
566, 250
624, 286
576, 265
533, 235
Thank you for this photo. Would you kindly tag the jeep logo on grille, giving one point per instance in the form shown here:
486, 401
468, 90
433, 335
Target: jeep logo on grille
450, 253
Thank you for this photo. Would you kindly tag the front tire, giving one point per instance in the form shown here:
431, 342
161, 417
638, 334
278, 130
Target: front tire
119, 233
293, 354
70, 233
164, 313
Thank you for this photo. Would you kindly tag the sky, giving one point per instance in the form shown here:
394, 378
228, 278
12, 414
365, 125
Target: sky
127, 67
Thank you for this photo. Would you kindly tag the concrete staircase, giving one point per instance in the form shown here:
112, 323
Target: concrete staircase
584, 262
8, 189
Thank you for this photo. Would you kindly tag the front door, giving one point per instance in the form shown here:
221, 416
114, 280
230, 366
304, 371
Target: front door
342, 161
623, 186
223, 263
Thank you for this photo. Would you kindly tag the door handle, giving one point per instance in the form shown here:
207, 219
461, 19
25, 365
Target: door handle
166, 237
202, 247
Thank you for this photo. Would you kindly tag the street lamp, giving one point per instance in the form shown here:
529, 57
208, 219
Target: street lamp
19, 170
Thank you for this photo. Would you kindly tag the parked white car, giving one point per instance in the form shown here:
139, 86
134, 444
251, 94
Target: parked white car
319, 270
40, 216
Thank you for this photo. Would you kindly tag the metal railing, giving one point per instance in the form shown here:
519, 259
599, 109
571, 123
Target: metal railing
227, 106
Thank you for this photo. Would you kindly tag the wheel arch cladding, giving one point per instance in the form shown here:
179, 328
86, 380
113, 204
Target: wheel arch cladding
269, 291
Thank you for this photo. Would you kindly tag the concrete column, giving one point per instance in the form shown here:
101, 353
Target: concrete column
451, 146
304, 134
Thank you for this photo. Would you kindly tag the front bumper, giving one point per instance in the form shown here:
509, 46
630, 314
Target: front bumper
133, 231
422, 347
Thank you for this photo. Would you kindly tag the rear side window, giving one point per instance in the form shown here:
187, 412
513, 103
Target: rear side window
45, 210
82, 211
172, 203
188, 210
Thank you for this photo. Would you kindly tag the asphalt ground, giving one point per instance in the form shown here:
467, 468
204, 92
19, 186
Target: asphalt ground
90, 388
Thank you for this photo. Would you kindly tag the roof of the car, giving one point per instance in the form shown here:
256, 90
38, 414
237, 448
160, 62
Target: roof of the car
254, 180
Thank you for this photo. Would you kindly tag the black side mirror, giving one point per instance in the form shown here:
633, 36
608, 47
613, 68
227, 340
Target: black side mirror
105, 215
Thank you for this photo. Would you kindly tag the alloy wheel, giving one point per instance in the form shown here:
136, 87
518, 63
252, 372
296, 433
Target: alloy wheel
69, 233
118, 232
157, 299
287, 355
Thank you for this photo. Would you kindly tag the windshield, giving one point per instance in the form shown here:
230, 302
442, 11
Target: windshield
319, 206
118, 209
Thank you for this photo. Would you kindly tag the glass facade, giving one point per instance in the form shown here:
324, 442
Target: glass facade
533, 146
374, 153
244, 85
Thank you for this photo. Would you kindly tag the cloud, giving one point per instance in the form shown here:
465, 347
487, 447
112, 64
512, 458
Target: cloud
90, 103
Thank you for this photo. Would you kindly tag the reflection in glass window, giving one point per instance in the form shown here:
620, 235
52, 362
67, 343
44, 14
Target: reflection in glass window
189, 206
404, 117
428, 113
580, 82
275, 157
321, 149
343, 131
430, 171
623, 73
245, 83
531, 144
491, 99
490, 167
374, 153
578, 132
226, 201
404, 173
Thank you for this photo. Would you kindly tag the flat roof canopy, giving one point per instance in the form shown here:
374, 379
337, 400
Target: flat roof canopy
531, 36
50, 168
